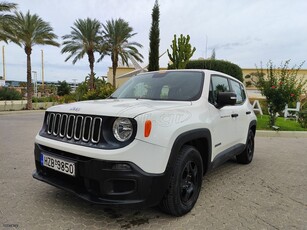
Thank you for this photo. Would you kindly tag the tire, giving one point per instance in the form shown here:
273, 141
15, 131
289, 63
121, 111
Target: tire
185, 183
246, 156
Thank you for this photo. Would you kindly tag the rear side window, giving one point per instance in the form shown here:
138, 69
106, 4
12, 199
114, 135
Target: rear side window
239, 90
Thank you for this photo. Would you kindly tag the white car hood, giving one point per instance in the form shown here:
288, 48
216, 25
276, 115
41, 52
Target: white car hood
118, 107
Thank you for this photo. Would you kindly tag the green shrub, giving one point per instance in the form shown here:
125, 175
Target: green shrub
302, 118
101, 92
63, 88
217, 65
280, 86
67, 98
52, 98
9, 94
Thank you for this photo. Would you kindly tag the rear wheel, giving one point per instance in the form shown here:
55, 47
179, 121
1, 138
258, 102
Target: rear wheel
185, 183
246, 156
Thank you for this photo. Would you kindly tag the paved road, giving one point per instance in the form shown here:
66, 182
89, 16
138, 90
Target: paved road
270, 193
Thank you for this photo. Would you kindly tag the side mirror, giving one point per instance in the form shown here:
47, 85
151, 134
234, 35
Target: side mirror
226, 98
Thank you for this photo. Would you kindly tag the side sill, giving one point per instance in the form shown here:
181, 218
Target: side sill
226, 155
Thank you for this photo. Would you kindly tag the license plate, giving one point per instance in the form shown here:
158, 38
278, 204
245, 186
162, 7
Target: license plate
58, 164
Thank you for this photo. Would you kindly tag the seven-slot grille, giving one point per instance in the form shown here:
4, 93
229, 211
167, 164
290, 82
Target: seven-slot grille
74, 127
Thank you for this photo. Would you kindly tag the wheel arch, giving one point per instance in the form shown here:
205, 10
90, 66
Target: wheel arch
199, 139
252, 126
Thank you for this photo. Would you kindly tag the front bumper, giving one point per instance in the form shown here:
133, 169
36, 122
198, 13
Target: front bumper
103, 182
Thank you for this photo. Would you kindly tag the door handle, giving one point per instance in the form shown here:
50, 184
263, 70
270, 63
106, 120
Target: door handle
234, 115
248, 112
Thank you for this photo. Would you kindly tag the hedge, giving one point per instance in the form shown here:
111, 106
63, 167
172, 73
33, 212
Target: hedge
217, 65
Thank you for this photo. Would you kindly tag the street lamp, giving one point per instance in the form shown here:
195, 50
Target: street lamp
43, 83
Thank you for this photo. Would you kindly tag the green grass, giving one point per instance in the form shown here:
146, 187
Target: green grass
284, 125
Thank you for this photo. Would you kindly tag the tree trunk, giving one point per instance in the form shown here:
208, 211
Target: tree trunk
272, 116
114, 66
28, 51
91, 60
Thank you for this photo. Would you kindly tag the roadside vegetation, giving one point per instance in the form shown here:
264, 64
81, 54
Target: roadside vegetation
280, 86
281, 123
9, 94
90, 37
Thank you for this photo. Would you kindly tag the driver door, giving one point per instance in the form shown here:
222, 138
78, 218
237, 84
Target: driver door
224, 133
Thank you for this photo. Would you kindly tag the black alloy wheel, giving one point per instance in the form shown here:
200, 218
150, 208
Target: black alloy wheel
247, 155
189, 181
185, 182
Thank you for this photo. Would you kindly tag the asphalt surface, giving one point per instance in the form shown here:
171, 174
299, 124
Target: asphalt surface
270, 193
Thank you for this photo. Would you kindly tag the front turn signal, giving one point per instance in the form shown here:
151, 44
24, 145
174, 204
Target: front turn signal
147, 128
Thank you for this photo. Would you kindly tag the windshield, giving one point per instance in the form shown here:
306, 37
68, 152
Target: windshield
173, 85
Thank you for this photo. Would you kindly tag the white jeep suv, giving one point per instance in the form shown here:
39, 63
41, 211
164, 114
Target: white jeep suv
150, 143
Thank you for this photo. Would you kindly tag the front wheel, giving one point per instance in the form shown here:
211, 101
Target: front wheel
185, 183
246, 156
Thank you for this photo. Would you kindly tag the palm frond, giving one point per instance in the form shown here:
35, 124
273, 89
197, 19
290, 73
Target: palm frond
6, 20
30, 30
116, 35
6, 6
85, 36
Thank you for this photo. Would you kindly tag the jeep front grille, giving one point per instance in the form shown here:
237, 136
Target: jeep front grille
94, 131
78, 128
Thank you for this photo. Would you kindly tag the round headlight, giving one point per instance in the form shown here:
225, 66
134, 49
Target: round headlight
122, 129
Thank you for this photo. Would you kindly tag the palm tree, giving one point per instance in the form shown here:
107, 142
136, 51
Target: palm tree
29, 30
5, 19
83, 39
116, 34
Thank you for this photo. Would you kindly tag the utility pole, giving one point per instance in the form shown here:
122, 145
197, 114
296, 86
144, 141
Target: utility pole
206, 46
43, 86
3, 62
35, 82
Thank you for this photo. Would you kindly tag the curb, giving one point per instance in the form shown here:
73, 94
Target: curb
21, 112
293, 134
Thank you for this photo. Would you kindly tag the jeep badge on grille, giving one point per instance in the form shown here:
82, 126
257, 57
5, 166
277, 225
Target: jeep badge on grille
76, 109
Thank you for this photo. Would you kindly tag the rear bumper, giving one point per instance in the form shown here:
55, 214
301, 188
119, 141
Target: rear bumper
103, 182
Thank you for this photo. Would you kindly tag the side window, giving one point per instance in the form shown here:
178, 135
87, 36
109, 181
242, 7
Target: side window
211, 98
218, 84
243, 92
239, 90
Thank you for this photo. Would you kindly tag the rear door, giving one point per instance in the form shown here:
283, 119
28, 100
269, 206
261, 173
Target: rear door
242, 111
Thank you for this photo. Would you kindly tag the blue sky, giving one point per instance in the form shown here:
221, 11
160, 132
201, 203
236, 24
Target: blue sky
243, 32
